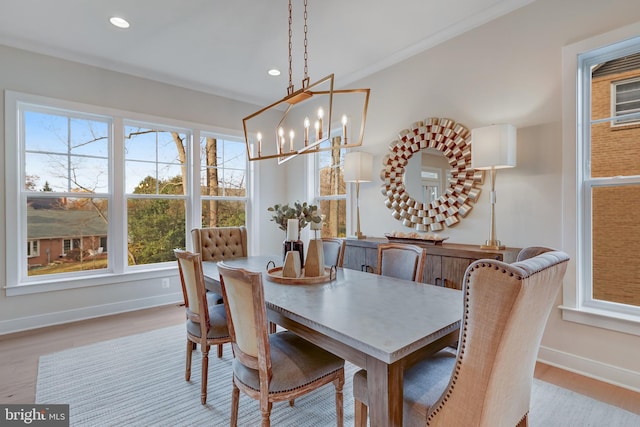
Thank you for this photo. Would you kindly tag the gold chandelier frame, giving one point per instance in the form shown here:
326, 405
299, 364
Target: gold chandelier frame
286, 113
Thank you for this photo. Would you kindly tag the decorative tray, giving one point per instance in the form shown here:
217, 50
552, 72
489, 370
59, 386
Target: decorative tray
275, 275
432, 239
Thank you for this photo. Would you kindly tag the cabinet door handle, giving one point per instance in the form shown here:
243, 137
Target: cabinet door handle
367, 268
438, 279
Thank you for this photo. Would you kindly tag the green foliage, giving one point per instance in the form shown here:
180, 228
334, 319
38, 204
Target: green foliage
156, 226
303, 212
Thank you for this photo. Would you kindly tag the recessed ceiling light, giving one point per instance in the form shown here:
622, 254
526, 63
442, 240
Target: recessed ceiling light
274, 72
119, 22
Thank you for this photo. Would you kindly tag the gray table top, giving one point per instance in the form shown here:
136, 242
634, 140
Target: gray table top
384, 317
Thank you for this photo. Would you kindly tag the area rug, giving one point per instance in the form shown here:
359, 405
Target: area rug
138, 380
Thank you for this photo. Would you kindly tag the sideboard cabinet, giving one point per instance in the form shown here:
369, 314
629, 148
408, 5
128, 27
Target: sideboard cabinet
445, 264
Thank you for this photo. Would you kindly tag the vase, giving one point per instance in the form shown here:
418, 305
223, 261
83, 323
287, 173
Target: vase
293, 245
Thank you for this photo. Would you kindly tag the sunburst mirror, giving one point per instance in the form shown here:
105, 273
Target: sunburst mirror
441, 195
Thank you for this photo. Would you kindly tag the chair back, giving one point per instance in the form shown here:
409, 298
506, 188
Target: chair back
333, 249
506, 309
402, 261
193, 288
243, 293
220, 243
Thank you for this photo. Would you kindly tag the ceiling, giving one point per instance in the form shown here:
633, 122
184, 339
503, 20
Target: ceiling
225, 47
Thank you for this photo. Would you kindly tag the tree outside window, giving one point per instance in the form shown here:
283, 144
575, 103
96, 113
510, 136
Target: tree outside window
331, 194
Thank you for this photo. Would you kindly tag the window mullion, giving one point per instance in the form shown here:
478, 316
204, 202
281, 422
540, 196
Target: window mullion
117, 203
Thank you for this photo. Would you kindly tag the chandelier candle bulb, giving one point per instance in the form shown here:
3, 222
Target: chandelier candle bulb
320, 115
291, 135
344, 128
306, 131
281, 140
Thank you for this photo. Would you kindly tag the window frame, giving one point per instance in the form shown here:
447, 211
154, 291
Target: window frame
313, 165
577, 305
118, 271
225, 198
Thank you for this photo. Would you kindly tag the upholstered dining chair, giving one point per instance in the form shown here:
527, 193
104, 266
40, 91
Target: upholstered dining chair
488, 382
220, 243
271, 367
401, 260
217, 244
333, 249
206, 320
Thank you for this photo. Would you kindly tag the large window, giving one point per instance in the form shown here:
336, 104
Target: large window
223, 181
608, 184
330, 189
156, 190
64, 188
92, 193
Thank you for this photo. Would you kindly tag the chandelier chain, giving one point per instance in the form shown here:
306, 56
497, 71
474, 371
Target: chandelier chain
306, 68
290, 90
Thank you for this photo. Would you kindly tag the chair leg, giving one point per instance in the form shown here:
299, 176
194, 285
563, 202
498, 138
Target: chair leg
339, 383
187, 373
266, 413
360, 414
219, 351
235, 398
205, 370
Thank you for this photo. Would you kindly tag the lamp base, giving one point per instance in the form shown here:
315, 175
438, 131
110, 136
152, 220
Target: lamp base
492, 244
359, 235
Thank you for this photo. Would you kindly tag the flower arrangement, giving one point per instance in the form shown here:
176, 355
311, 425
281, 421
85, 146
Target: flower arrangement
303, 212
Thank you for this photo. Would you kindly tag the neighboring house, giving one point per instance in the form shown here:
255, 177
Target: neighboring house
615, 91
76, 234
615, 151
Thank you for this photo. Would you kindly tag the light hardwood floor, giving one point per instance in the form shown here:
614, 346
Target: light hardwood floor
19, 354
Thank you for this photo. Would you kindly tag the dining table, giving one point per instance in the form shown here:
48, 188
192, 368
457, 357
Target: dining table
378, 323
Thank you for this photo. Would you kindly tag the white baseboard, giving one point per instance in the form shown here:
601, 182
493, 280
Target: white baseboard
60, 317
615, 375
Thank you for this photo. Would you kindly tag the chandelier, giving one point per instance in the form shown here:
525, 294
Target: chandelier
302, 121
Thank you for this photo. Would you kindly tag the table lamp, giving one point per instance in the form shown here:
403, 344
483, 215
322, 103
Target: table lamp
492, 148
357, 168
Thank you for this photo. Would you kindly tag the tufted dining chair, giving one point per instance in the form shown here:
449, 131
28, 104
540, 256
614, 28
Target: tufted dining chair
220, 243
401, 260
206, 320
271, 367
217, 244
488, 382
333, 249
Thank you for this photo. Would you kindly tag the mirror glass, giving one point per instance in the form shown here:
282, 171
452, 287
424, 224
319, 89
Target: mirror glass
427, 174
427, 177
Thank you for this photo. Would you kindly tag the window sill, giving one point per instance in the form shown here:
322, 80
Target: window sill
618, 322
87, 281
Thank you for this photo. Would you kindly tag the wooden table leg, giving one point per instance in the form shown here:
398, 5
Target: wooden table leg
384, 385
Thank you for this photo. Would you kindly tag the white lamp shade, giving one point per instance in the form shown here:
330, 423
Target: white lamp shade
358, 166
493, 147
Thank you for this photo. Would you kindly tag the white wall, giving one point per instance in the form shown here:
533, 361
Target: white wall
509, 70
